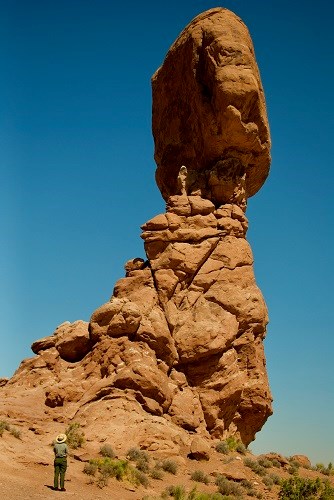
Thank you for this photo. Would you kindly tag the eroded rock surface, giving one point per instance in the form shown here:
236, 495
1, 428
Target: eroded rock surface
209, 112
175, 357
180, 339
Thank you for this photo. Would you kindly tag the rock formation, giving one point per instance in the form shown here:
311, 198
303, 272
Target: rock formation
175, 357
209, 112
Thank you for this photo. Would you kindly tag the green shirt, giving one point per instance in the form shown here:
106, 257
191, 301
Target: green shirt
60, 450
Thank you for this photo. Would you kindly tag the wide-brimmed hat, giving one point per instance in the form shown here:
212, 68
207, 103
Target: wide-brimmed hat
61, 438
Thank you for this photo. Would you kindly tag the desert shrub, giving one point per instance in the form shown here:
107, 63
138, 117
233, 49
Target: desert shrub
140, 457
276, 463
327, 492
118, 469
227, 487
248, 487
241, 448
75, 437
111, 468
255, 466
200, 477
177, 492
267, 481
137, 454
90, 469
294, 469
169, 466
156, 473
142, 465
15, 432
102, 481
194, 495
275, 478
139, 477
296, 488
4, 426
328, 471
230, 444
107, 451
264, 462
222, 447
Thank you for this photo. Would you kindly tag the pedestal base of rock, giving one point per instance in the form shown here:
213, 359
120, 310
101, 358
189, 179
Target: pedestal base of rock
176, 351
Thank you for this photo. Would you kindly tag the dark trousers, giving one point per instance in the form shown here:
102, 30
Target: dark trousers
60, 465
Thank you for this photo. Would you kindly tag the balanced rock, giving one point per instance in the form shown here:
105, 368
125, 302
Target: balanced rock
209, 112
175, 357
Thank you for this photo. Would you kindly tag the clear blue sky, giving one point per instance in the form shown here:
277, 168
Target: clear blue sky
77, 180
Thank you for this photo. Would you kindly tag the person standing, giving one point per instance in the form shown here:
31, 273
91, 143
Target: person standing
60, 462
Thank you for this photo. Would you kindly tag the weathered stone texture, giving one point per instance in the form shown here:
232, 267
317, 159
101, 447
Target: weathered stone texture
178, 348
209, 112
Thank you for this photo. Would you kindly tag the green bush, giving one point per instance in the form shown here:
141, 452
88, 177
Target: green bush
255, 466
264, 462
169, 466
118, 469
241, 448
296, 488
293, 469
156, 473
15, 432
75, 437
248, 487
179, 493
194, 495
137, 454
222, 447
138, 477
4, 426
107, 451
230, 444
328, 471
176, 492
227, 487
200, 477
275, 478
90, 469
267, 481
140, 457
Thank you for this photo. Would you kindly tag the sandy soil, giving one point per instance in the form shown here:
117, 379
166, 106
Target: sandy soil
26, 467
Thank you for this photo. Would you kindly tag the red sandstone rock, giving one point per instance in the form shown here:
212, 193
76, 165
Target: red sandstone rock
209, 112
72, 341
178, 348
199, 449
302, 460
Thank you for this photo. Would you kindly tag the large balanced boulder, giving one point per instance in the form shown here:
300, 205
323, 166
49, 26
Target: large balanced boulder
209, 112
